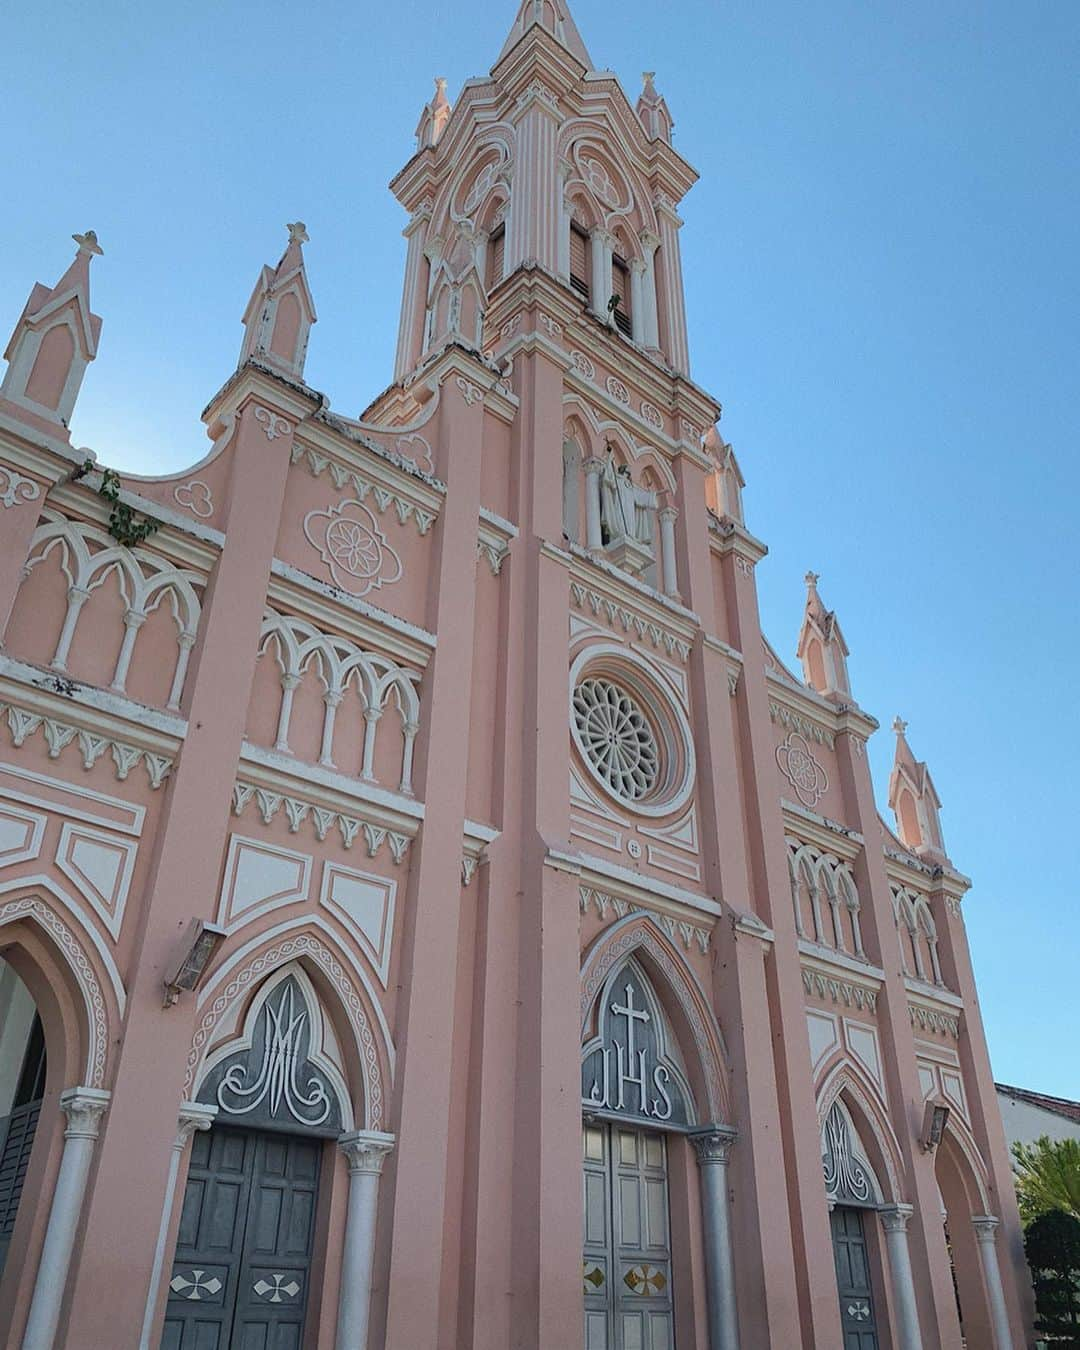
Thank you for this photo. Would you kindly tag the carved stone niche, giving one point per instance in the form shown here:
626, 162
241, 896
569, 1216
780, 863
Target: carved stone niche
276, 1077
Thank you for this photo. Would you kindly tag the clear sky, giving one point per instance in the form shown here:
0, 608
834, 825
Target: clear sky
882, 276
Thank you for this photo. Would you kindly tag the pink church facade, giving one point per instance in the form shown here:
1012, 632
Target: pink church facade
431, 914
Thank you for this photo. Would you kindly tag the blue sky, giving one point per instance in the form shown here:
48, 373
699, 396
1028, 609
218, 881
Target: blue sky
882, 274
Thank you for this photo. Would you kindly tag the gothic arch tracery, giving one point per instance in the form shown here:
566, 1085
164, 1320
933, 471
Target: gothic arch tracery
638, 934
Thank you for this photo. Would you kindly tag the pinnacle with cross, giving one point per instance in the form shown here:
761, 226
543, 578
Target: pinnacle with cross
899, 726
812, 578
297, 232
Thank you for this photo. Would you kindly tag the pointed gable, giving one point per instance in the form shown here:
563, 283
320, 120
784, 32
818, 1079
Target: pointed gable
555, 18
822, 649
914, 801
279, 315
55, 339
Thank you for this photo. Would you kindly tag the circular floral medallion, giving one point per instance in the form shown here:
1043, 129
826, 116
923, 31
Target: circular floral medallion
354, 548
617, 738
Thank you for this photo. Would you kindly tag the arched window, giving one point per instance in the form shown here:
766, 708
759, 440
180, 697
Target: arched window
620, 292
496, 255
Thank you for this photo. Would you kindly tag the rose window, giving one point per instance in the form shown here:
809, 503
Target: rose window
616, 738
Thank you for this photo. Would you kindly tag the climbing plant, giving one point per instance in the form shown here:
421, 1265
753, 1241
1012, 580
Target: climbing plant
126, 526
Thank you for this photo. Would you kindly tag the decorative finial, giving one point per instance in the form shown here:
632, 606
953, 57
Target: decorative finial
812, 578
88, 243
648, 76
440, 84
297, 232
899, 726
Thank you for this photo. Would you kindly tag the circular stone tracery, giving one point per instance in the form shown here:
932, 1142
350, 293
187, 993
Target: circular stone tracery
617, 738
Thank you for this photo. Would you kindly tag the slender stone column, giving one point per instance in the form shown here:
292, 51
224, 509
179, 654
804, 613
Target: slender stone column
986, 1226
193, 1116
83, 1107
637, 300
894, 1220
603, 249
678, 353
712, 1147
366, 1151
593, 469
413, 296
650, 324
668, 517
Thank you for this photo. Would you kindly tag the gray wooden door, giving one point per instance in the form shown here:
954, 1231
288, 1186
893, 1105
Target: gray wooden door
239, 1280
853, 1279
626, 1273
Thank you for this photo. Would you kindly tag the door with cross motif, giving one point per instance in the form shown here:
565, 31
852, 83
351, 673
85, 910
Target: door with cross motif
240, 1276
853, 1279
627, 1256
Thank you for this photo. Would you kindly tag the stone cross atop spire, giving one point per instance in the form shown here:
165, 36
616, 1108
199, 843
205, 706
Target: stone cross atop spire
653, 110
54, 341
822, 649
279, 315
434, 117
914, 801
555, 18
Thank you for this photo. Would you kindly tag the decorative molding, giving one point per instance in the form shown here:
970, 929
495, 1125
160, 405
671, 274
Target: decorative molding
953, 907
415, 450
551, 326
652, 414
819, 985
23, 723
618, 390
802, 770
793, 721
366, 1151
354, 549
196, 497
582, 362
470, 392
631, 622
382, 496
744, 565
304, 944
272, 425
16, 487
616, 907
713, 1146
84, 973
323, 821
930, 1019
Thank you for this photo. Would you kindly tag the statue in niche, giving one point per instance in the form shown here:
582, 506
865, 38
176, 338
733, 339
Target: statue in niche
626, 510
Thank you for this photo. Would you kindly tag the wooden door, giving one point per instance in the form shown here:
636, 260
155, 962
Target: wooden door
243, 1255
853, 1279
627, 1257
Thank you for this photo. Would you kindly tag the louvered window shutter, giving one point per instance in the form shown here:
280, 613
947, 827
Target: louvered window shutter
496, 254
579, 260
620, 286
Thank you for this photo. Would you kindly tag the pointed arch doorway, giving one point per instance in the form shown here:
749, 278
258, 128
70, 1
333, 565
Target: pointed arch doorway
242, 1271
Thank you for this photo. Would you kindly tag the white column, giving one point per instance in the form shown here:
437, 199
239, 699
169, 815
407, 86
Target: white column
712, 1147
371, 722
83, 1107
986, 1226
332, 700
603, 247
411, 299
184, 642
565, 170
133, 621
365, 1151
650, 328
77, 597
637, 301
894, 1220
193, 1116
668, 516
674, 302
289, 686
593, 469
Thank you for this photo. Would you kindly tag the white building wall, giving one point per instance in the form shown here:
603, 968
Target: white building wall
1026, 1122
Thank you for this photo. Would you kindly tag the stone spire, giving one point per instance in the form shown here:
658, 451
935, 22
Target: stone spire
653, 110
555, 18
434, 117
914, 801
822, 649
279, 315
54, 340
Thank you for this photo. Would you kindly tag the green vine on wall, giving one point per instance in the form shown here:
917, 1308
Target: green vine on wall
126, 526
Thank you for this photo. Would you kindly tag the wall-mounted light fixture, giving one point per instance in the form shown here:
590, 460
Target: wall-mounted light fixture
935, 1118
203, 940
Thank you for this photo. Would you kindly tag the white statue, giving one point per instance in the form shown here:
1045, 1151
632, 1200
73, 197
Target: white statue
626, 509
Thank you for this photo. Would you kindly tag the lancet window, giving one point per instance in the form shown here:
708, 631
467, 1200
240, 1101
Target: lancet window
825, 899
